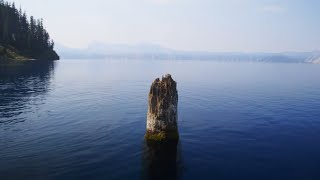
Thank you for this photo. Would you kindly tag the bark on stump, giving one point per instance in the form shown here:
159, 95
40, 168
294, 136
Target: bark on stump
162, 110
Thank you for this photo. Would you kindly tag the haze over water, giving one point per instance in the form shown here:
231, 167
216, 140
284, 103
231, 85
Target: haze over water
85, 119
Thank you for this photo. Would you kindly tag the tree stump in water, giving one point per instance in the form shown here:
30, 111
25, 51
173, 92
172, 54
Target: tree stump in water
162, 110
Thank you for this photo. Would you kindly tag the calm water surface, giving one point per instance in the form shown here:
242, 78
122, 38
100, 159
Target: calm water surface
85, 119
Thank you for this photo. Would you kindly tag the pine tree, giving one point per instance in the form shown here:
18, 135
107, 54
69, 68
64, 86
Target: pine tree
27, 36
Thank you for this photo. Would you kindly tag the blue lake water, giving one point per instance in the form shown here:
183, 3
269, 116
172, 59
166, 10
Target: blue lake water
85, 119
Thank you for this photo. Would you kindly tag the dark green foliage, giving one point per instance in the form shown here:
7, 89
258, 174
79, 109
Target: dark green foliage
29, 37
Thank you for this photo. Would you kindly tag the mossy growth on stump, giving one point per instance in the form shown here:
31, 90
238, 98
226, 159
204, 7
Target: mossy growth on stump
162, 110
162, 135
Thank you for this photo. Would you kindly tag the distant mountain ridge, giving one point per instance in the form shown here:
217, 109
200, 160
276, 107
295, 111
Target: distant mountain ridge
99, 50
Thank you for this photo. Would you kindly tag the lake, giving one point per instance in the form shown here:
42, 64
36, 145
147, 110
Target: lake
86, 119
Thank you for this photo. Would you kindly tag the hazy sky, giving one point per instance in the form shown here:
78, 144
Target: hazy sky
209, 25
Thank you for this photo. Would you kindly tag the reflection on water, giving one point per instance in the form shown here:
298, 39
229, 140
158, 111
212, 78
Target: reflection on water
87, 119
21, 85
161, 160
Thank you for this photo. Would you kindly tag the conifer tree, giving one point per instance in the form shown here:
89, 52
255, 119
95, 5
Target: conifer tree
29, 37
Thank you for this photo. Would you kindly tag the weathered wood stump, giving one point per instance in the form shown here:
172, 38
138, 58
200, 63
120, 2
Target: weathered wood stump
162, 111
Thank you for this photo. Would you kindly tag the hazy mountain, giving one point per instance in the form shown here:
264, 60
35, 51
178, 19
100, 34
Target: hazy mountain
99, 50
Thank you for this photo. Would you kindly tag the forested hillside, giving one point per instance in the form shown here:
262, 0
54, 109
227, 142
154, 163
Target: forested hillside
22, 37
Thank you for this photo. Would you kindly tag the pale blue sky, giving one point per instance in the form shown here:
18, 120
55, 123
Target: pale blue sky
208, 25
